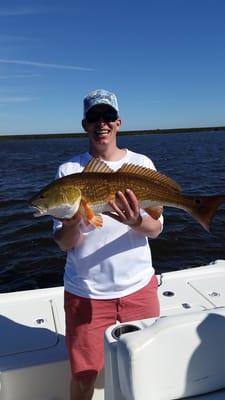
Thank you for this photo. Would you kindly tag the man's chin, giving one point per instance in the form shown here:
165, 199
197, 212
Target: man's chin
102, 138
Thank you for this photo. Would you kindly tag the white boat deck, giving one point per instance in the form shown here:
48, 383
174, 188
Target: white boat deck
33, 358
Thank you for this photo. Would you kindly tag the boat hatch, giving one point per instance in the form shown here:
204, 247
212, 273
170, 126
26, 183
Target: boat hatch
27, 326
212, 289
176, 296
193, 289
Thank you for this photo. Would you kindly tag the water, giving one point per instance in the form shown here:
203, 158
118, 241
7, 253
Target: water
30, 258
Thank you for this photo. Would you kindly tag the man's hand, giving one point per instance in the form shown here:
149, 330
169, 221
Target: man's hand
127, 208
75, 220
68, 236
127, 211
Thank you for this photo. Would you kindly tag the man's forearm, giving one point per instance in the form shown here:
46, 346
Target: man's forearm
68, 236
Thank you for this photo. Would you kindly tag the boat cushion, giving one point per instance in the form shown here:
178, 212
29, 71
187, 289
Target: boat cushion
177, 357
217, 395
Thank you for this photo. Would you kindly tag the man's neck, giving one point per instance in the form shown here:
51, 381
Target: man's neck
114, 154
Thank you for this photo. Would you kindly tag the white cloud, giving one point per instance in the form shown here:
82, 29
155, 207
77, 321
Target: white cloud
15, 99
27, 9
18, 11
18, 76
13, 38
44, 65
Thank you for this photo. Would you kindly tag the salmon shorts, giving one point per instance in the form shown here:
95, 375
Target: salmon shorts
87, 320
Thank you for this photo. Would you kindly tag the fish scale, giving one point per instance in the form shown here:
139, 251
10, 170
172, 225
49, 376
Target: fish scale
106, 189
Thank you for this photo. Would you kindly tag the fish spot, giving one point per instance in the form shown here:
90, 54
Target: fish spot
199, 204
197, 201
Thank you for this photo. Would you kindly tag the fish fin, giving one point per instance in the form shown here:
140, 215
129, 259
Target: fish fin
97, 165
204, 208
154, 212
89, 215
97, 221
150, 173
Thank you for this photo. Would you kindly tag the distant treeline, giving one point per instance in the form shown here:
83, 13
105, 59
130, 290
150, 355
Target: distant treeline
122, 133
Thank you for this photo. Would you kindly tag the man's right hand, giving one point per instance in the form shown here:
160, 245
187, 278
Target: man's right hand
68, 236
75, 220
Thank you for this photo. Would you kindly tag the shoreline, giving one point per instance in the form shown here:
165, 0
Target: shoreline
121, 133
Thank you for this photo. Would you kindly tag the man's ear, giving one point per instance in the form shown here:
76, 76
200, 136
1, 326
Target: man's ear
119, 122
84, 125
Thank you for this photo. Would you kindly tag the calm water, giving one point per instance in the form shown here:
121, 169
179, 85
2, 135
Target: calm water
30, 258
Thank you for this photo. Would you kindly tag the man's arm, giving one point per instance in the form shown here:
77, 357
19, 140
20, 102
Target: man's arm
69, 234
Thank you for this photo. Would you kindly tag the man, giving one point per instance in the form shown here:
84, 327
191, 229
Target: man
108, 274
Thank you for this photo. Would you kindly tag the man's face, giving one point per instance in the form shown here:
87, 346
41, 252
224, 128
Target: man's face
101, 124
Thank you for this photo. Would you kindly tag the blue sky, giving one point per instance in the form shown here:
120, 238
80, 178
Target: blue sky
165, 60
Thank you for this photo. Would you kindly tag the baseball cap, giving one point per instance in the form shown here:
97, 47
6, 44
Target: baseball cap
100, 96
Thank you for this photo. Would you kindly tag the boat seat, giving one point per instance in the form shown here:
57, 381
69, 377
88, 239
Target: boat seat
176, 357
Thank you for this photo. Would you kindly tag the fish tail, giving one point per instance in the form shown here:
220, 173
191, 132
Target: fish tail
204, 209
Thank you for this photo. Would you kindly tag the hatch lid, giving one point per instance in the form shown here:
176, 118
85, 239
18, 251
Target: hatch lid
212, 289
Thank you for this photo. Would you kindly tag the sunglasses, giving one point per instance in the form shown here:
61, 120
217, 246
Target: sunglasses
105, 116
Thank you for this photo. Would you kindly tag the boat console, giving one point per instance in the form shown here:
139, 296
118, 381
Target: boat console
174, 357
179, 355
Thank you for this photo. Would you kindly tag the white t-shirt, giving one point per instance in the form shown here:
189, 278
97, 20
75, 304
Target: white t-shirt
112, 261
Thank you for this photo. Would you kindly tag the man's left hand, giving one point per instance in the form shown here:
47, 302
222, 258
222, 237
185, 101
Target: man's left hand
127, 208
